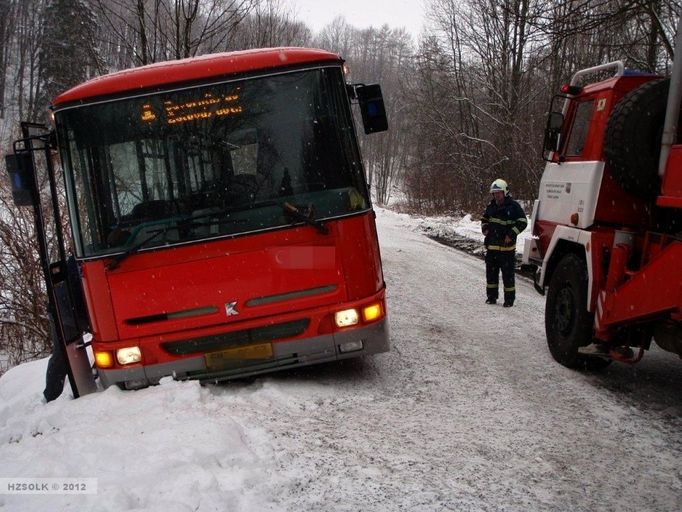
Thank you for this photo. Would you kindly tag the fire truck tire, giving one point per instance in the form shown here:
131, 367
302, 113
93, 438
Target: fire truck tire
568, 324
632, 142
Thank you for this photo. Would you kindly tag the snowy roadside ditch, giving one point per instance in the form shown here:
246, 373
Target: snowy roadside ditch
462, 233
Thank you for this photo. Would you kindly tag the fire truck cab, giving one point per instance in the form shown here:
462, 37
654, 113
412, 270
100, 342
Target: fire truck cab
607, 225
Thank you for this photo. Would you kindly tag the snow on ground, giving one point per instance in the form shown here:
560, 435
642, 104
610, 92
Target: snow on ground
444, 226
467, 412
449, 228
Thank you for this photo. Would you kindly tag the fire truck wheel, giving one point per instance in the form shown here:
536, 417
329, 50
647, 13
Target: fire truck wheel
568, 324
632, 142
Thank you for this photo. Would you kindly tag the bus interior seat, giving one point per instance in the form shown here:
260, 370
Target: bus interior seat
154, 209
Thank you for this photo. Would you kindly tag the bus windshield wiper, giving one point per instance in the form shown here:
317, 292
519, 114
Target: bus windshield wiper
298, 215
232, 209
290, 210
116, 261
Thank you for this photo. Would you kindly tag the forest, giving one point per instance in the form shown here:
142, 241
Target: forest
466, 99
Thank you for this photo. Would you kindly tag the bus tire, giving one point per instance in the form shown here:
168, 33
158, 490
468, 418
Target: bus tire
568, 324
632, 141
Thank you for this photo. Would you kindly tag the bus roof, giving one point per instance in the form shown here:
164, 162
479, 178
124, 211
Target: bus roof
192, 69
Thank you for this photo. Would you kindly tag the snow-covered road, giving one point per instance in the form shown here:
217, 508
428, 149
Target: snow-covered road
467, 412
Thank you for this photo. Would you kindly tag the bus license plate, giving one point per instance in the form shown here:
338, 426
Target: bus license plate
246, 353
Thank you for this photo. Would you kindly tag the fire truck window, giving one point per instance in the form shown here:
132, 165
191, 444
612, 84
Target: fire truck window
581, 124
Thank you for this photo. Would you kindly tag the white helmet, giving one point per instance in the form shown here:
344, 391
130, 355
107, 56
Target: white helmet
499, 185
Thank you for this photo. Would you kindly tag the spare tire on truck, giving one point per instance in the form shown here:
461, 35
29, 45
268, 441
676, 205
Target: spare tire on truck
632, 142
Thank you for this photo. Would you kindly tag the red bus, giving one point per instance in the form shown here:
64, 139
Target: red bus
221, 218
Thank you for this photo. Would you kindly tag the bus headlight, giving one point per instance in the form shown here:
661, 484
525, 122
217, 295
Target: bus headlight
346, 318
128, 355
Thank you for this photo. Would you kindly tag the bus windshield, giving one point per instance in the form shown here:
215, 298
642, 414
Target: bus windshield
210, 161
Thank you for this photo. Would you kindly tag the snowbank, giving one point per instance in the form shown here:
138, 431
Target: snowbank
173, 447
450, 228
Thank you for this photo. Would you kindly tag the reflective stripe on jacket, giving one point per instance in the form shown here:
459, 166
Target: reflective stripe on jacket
499, 222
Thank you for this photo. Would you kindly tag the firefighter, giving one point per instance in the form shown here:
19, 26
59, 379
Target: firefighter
501, 223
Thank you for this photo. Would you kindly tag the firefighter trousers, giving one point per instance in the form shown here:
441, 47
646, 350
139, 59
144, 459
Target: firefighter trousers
494, 262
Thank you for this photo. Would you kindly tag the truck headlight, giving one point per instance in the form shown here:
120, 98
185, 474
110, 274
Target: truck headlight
128, 355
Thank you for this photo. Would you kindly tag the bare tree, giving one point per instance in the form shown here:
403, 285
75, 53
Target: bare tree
381, 55
269, 24
484, 77
27, 37
66, 56
171, 29
7, 18
24, 325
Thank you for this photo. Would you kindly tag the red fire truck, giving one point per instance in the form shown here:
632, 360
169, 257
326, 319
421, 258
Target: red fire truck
607, 224
221, 219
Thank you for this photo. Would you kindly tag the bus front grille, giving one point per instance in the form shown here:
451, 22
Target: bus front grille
237, 338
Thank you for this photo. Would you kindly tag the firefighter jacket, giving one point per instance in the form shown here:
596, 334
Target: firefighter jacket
498, 222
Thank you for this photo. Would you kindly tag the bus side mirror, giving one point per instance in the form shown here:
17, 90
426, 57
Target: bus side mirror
555, 123
372, 108
21, 176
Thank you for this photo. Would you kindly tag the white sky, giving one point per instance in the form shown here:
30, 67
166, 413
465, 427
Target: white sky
363, 13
